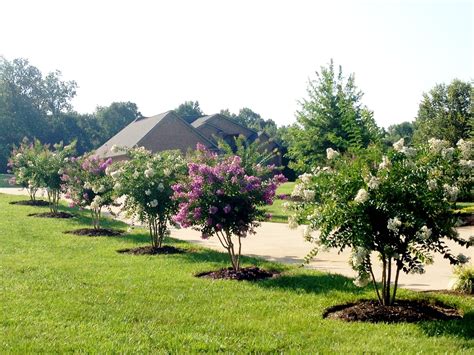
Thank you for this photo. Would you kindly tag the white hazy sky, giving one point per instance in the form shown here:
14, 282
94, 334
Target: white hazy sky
232, 54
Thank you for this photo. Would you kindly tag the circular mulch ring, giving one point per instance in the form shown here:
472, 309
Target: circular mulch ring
100, 232
402, 311
149, 250
251, 273
30, 203
52, 215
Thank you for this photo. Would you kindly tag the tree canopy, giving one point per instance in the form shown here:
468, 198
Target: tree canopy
39, 106
446, 112
189, 111
332, 116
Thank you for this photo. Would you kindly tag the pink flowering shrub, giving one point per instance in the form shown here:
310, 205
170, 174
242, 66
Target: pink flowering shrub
87, 183
220, 199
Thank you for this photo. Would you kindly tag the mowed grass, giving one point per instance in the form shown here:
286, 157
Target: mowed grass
278, 212
64, 293
4, 180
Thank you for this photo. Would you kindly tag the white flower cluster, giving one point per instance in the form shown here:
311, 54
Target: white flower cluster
385, 164
398, 145
362, 196
308, 195
98, 189
465, 147
153, 203
96, 202
425, 232
437, 145
305, 178
331, 153
149, 173
447, 153
394, 225
359, 255
374, 183
467, 164
451, 192
298, 190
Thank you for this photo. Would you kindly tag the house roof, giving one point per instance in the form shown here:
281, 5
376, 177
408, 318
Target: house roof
209, 120
137, 131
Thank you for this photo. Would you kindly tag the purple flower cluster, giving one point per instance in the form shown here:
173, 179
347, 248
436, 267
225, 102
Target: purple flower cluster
95, 165
220, 196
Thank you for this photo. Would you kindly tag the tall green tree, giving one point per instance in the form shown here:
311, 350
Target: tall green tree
399, 130
332, 116
250, 119
189, 111
116, 116
446, 112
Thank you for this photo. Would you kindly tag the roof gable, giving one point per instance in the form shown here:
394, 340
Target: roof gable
146, 132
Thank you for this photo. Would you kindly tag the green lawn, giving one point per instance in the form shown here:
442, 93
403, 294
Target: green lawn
4, 180
64, 293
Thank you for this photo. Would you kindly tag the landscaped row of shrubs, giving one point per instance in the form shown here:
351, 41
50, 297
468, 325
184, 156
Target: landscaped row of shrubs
204, 191
398, 205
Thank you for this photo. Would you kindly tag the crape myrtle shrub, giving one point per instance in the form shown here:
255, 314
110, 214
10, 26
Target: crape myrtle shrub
145, 182
36, 166
220, 199
87, 183
23, 165
398, 206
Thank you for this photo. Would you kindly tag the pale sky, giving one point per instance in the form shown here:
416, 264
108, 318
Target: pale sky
232, 54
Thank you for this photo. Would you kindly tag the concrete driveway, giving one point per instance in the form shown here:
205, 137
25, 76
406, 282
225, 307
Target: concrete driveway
276, 242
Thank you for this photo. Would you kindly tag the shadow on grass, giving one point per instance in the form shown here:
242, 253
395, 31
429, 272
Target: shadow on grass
318, 283
462, 328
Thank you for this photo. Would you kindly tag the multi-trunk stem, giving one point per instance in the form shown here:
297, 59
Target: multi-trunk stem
225, 238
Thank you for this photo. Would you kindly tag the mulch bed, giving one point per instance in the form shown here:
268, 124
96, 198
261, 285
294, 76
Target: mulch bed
402, 311
52, 215
251, 273
149, 250
100, 232
30, 203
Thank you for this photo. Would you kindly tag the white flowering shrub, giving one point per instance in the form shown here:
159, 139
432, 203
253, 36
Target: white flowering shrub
23, 164
398, 206
145, 181
49, 168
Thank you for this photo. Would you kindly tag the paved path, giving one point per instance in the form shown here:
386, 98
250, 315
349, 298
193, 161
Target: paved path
275, 241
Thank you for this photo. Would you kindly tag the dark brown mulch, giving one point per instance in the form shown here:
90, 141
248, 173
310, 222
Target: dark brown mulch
251, 273
52, 215
149, 250
30, 203
100, 232
402, 311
